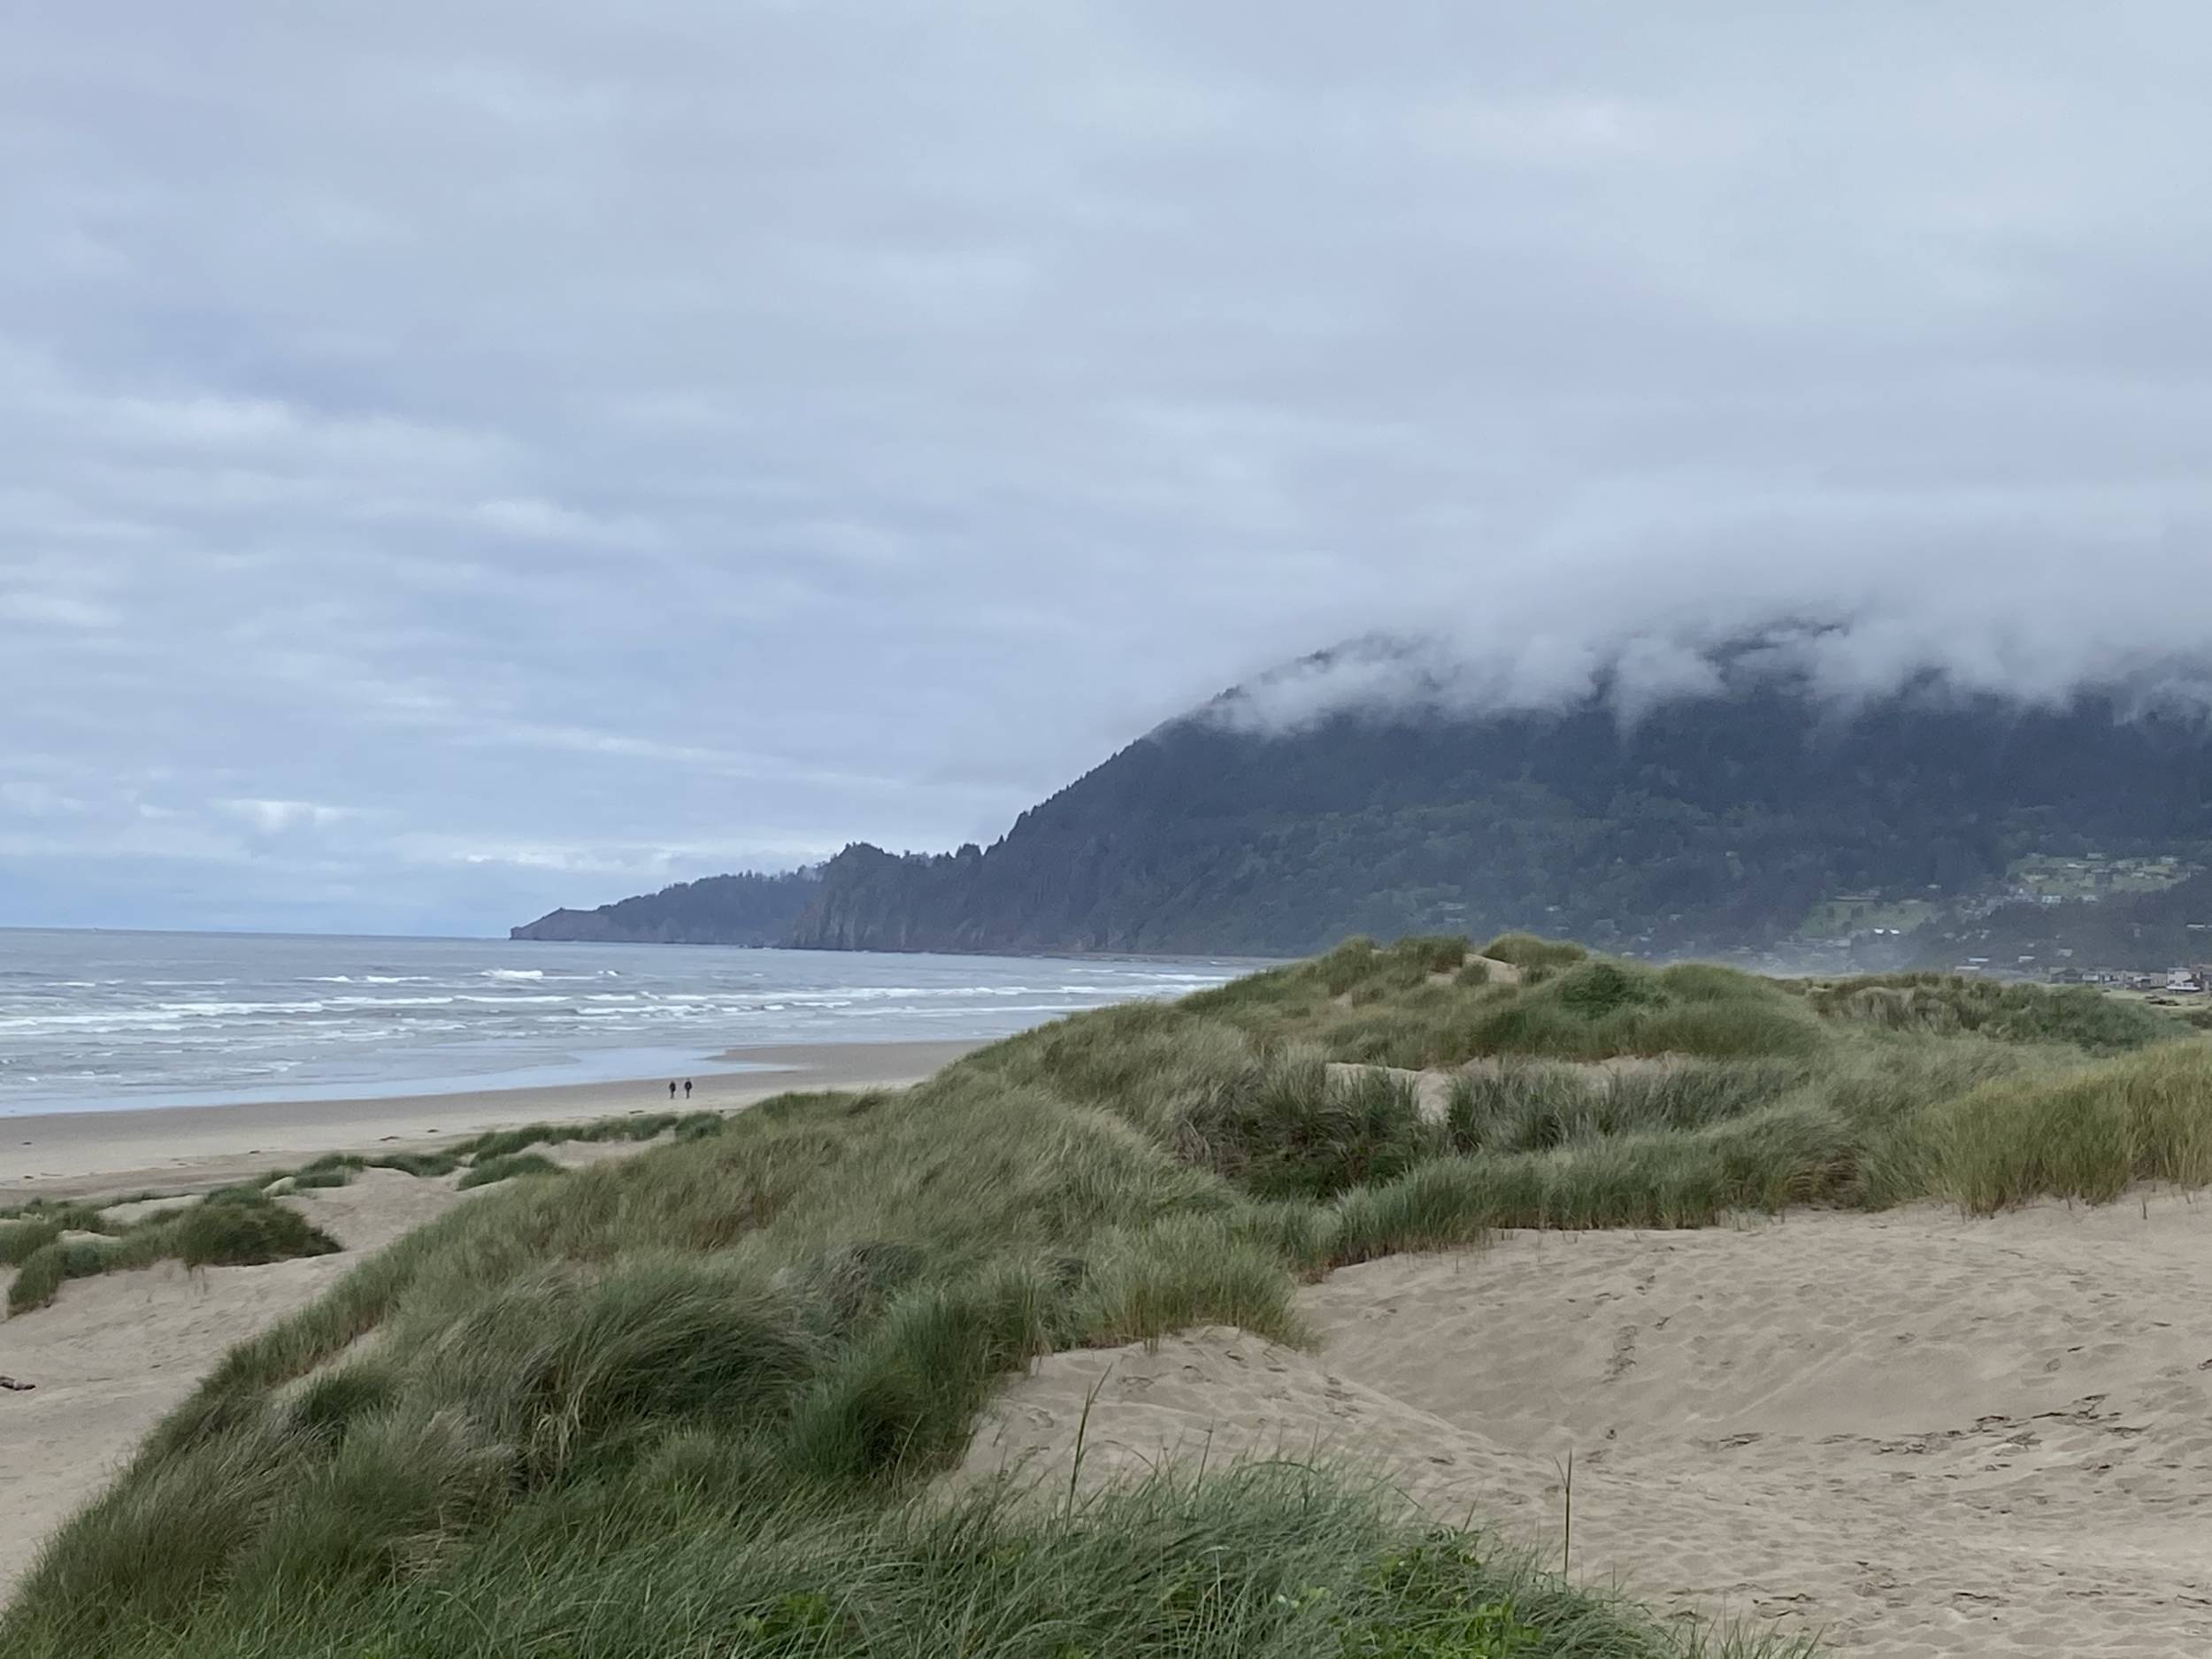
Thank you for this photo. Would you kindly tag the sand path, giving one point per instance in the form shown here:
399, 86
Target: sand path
1922, 1436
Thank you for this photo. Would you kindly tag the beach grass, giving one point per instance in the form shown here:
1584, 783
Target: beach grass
237, 1227
1526, 951
506, 1167
703, 1550
2077, 1015
699, 1394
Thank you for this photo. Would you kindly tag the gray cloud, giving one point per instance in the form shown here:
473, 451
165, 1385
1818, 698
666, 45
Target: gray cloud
466, 458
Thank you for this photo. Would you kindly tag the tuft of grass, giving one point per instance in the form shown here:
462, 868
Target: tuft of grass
705, 1551
1950, 1004
422, 1166
38, 1225
39, 1277
1526, 951
2087, 1134
1765, 1160
506, 1167
236, 1233
1436, 953
1184, 1270
238, 1226
1532, 1106
1299, 1234
1600, 1010
20, 1241
500, 1143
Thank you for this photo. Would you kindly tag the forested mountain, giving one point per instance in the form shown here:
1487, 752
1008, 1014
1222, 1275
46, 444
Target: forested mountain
1705, 823
741, 910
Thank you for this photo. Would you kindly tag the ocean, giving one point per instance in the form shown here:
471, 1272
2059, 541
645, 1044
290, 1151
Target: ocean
100, 1021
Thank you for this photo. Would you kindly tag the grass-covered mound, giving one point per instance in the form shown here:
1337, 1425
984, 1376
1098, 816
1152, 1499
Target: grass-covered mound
1527, 951
237, 1227
1414, 1004
248, 1228
1943, 1002
505, 1167
687, 1402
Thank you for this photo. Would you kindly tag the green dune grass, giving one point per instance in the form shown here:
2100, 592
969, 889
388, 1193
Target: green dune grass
692, 1401
237, 1227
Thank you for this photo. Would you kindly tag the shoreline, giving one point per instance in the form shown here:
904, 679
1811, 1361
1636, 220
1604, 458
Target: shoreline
114, 1153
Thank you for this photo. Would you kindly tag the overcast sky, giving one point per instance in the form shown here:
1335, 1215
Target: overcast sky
456, 459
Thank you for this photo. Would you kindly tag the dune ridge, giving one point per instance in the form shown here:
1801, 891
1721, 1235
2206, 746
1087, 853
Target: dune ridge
1914, 1434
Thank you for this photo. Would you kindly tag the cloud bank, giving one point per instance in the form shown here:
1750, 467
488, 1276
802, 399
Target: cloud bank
467, 458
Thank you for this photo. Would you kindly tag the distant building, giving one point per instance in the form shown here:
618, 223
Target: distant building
2183, 980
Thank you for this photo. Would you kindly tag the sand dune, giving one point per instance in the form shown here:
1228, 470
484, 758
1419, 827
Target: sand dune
1920, 1435
113, 1355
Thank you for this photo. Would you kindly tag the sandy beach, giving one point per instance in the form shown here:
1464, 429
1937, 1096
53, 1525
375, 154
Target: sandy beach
79, 1154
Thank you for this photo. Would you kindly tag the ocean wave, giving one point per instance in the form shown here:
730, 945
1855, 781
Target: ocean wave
242, 1015
106, 1019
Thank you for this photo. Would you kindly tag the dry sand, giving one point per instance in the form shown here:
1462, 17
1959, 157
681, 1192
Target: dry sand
72, 1155
1921, 1435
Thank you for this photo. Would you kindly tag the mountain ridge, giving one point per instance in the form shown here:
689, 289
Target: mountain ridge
750, 908
1705, 823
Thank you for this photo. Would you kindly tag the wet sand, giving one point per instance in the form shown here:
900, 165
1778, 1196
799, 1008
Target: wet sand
114, 1153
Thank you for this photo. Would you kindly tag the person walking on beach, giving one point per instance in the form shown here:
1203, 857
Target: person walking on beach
686, 1089
672, 1088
